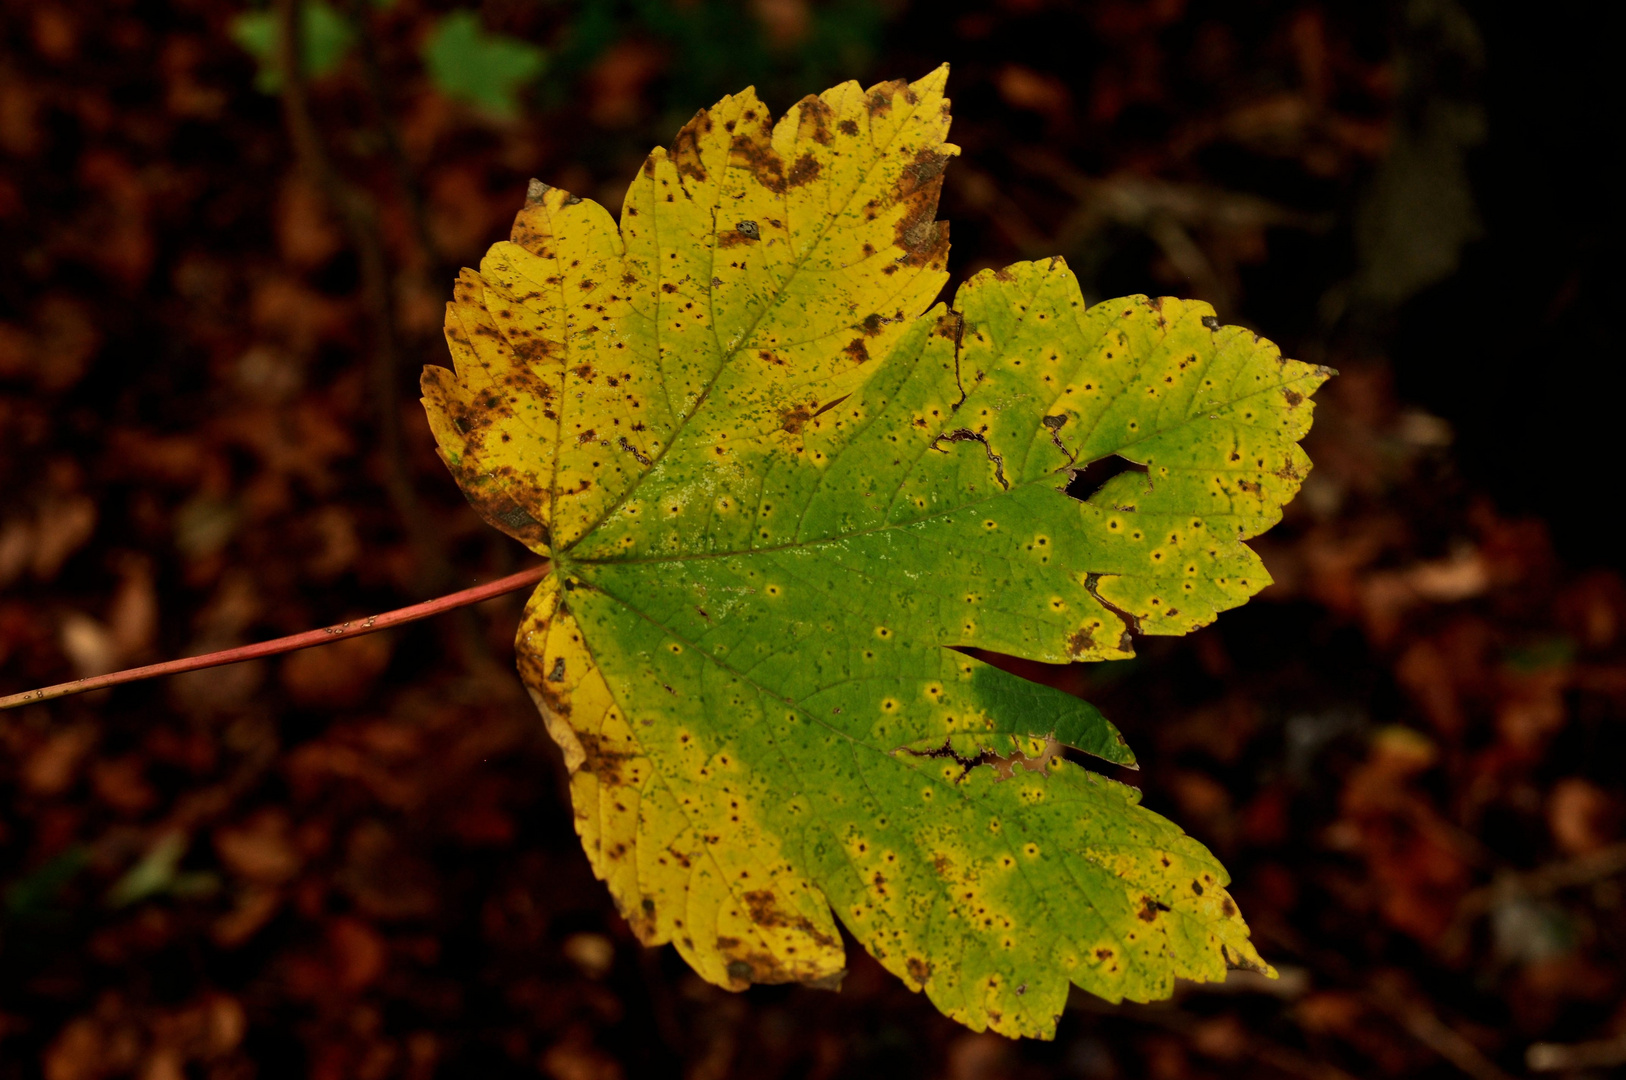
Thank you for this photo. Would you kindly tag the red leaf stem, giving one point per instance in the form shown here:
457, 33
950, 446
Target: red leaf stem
291, 643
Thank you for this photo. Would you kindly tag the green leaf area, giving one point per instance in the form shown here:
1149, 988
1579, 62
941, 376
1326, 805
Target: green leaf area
782, 493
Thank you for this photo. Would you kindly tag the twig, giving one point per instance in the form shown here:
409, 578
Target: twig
361, 222
1282, 1059
1606, 862
1420, 1021
291, 643
1390, 995
1585, 869
373, 77
1556, 1057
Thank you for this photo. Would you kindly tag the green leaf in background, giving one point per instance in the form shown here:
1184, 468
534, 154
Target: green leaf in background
159, 872
326, 36
470, 64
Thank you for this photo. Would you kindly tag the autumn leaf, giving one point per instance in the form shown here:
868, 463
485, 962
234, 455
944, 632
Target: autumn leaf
779, 493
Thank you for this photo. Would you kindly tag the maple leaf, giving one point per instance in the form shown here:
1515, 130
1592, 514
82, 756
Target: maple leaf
778, 492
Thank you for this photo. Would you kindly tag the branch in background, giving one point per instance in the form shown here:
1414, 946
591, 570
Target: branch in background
1559, 1057
291, 643
1418, 1019
373, 77
1595, 866
1167, 213
360, 221
1389, 994
1212, 1038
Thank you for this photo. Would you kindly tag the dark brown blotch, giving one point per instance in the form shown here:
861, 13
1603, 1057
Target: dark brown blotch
805, 170
686, 147
765, 910
757, 157
879, 99
927, 166
815, 120
795, 418
604, 759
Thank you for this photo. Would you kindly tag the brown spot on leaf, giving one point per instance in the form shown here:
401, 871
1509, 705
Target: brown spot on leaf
815, 120
804, 171
487, 492
686, 147
923, 238
856, 351
1293, 397
919, 970
753, 154
927, 166
605, 759
765, 910
848, 127
796, 418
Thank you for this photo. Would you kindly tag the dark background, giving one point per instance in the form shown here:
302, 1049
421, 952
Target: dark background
358, 861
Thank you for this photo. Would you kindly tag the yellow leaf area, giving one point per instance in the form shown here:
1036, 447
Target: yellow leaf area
764, 261
777, 491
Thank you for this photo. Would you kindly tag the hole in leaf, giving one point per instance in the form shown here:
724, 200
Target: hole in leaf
1094, 476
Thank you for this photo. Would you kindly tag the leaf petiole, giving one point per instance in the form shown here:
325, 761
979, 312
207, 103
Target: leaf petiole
292, 643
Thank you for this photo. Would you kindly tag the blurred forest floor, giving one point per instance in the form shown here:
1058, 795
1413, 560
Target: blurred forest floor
358, 861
